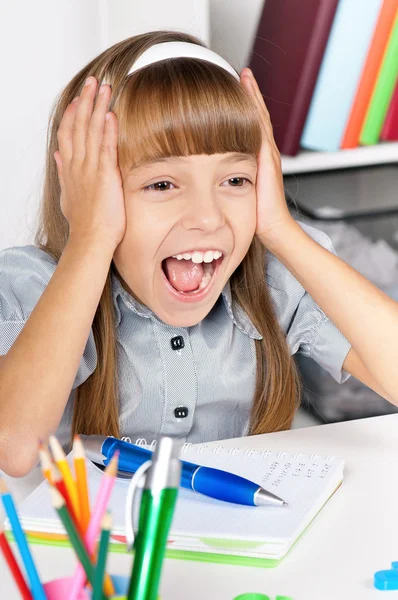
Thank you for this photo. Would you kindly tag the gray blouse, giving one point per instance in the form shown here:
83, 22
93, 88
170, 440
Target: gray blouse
195, 383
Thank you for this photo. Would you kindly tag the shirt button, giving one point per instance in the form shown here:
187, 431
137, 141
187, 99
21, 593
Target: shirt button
177, 342
181, 412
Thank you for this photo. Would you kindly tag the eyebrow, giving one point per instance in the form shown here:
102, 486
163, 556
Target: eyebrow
235, 157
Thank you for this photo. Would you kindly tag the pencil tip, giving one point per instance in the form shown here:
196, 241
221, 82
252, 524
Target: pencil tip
56, 448
45, 458
3, 486
78, 448
55, 473
106, 522
57, 498
111, 469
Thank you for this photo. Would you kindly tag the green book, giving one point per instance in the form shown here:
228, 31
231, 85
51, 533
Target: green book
383, 91
210, 530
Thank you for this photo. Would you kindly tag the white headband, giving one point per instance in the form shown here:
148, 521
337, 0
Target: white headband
180, 49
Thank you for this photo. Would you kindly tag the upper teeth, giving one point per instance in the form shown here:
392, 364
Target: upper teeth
198, 257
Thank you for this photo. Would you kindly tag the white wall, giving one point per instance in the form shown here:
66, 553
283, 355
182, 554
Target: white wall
45, 42
233, 26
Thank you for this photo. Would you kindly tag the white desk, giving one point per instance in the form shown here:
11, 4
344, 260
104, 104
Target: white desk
353, 536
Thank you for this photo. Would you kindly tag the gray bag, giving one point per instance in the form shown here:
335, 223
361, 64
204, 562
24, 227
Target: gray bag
322, 395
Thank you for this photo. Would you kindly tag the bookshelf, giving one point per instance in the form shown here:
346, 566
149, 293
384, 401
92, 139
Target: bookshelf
349, 199
309, 161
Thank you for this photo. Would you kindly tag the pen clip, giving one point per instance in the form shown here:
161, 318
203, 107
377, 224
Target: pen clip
137, 481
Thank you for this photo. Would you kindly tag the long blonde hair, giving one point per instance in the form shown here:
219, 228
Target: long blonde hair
179, 107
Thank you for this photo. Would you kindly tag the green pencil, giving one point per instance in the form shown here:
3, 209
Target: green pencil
74, 536
106, 526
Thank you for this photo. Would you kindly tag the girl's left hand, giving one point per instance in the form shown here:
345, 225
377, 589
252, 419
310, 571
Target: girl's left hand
272, 210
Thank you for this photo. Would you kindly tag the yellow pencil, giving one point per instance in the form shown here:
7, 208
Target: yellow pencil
45, 461
63, 466
81, 482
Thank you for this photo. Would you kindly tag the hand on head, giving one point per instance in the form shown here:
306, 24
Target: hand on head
92, 198
272, 210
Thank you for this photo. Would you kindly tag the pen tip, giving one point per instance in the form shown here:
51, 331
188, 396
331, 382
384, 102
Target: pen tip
264, 498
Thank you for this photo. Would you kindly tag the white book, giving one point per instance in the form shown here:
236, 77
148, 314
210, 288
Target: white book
211, 529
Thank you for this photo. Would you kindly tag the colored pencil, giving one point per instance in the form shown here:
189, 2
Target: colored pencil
59, 483
73, 534
81, 482
106, 526
14, 567
37, 589
63, 466
91, 535
45, 461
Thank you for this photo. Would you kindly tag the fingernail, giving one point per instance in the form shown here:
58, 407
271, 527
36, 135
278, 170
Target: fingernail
89, 81
75, 99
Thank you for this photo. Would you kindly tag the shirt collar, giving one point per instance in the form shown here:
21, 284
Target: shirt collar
237, 315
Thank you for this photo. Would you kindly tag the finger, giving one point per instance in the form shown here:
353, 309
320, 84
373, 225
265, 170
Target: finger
64, 133
256, 94
95, 130
58, 161
83, 114
108, 150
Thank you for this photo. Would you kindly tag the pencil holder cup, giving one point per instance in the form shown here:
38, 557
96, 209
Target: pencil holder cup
58, 589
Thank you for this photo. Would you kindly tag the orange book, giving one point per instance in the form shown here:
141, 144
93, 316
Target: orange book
370, 71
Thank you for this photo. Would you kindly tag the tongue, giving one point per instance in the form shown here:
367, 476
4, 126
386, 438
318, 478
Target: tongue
184, 275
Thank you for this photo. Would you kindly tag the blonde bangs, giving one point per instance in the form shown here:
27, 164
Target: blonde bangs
182, 107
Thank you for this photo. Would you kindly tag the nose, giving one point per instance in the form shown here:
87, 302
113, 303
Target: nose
204, 213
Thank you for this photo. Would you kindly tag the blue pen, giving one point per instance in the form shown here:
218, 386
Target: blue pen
214, 483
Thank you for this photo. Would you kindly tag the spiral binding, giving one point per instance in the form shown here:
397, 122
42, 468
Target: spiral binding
249, 452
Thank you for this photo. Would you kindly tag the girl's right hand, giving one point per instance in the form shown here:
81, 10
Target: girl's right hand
92, 197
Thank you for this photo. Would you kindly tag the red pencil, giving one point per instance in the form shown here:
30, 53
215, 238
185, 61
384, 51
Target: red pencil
14, 567
59, 483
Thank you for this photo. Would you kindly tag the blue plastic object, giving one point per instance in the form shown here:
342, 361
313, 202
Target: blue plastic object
224, 486
215, 483
387, 580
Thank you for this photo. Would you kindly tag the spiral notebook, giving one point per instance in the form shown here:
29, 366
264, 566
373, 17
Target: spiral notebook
212, 530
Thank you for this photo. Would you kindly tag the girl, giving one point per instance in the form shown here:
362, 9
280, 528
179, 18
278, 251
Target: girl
169, 285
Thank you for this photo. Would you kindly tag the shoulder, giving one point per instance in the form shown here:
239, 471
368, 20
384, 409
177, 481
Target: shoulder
24, 274
29, 258
285, 290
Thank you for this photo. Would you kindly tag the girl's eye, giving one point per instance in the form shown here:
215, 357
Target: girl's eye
154, 187
239, 179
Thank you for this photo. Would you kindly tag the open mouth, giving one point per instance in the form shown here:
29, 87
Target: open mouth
191, 275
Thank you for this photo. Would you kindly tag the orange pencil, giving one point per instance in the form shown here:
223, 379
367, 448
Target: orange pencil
81, 482
63, 466
45, 461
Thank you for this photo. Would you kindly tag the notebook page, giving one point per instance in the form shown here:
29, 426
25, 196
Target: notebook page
304, 481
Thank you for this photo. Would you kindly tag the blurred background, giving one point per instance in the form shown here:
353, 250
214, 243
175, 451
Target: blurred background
331, 90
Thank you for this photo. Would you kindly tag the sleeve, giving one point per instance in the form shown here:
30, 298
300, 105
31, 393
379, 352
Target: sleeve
25, 272
308, 330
